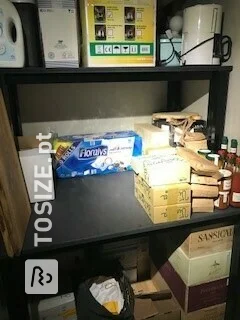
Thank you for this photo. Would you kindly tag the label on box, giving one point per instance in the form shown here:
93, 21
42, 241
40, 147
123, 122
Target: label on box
120, 32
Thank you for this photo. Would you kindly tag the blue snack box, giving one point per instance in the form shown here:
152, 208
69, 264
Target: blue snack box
89, 154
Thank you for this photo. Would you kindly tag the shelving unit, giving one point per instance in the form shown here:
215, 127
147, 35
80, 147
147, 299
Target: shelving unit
101, 209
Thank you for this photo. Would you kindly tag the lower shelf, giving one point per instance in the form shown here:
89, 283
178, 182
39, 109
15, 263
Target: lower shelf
104, 208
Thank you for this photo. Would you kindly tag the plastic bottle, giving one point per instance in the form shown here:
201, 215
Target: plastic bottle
235, 192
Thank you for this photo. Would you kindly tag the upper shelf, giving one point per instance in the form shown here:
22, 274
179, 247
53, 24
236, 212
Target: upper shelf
42, 75
103, 208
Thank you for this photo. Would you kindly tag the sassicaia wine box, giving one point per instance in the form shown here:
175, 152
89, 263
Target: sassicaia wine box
208, 241
197, 297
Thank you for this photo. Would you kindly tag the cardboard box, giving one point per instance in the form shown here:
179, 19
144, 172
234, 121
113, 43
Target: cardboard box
154, 285
166, 194
161, 170
202, 205
164, 308
58, 21
204, 191
193, 298
196, 179
212, 313
156, 310
208, 241
58, 308
212, 266
152, 136
118, 33
164, 213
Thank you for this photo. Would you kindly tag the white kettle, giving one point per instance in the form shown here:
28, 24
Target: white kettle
11, 37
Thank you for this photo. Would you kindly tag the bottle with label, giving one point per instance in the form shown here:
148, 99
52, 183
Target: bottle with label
233, 150
223, 152
231, 160
235, 192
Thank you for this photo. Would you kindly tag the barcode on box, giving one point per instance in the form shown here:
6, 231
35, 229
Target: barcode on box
145, 49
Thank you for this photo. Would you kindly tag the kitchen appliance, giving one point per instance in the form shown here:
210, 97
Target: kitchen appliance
28, 13
203, 42
11, 36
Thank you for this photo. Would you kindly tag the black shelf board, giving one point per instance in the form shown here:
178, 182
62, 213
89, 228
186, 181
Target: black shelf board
103, 208
113, 74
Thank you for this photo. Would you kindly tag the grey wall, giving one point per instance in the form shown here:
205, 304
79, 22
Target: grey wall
61, 102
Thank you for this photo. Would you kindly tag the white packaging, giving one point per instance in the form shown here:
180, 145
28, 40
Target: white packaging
33, 164
58, 308
153, 137
201, 269
160, 170
58, 21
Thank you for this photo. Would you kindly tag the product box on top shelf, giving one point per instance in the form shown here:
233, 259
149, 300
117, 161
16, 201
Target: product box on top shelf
89, 154
118, 33
164, 195
59, 30
211, 313
165, 213
208, 241
161, 170
197, 297
213, 266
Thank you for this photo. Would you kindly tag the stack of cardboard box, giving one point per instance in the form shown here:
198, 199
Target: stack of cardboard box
197, 273
204, 192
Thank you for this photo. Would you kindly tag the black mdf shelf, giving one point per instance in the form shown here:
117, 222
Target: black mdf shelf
78, 75
103, 208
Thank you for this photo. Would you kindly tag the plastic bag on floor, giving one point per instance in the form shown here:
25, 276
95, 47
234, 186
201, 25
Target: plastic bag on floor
108, 294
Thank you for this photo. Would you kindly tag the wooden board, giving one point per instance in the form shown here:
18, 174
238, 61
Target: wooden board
14, 204
176, 116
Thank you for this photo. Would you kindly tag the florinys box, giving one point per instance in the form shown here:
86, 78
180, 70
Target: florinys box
82, 155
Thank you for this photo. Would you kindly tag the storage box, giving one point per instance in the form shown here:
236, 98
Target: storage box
164, 195
118, 33
33, 161
204, 191
152, 136
196, 179
156, 310
58, 21
164, 213
202, 205
192, 298
161, 170
212, 313
58, 308
90, 154
201, 269
208, 241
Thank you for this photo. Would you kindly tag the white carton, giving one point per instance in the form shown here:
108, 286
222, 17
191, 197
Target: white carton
33, 163
160, 170
58, 21
201, 269
58, 308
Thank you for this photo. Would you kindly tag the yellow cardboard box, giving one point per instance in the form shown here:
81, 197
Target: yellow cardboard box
162, 214
118, 32
164, 195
